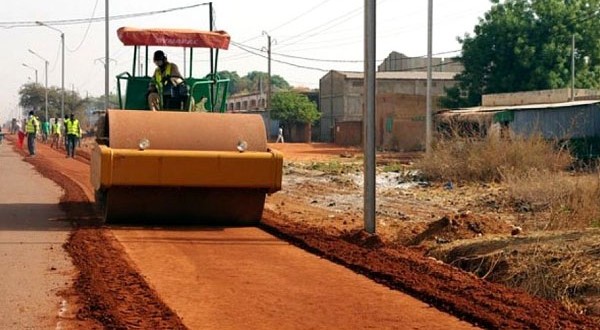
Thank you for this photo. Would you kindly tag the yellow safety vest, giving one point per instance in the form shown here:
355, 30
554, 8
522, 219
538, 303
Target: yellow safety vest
73, 127
32, 125
158, 75
56, 129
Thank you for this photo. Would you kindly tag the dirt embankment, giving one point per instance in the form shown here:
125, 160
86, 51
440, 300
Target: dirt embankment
462, 294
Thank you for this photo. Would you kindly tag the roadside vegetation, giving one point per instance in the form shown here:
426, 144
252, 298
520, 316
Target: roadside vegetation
556, 254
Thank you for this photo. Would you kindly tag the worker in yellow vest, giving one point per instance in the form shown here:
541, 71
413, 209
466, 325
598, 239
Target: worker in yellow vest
32, 127
56, 132
166, 77
73, 134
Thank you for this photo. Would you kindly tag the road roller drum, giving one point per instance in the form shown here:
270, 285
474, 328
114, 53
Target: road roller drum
208, 168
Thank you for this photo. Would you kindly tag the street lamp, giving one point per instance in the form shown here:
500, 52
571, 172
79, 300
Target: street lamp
62, 79
46, 77
34, 69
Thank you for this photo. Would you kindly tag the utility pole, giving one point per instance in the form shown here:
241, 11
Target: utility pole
573, 68
269, 42
62, 76
369, 145
106, 57
429, 117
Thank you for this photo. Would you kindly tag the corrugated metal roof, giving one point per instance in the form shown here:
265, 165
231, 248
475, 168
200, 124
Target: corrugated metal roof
406, 75
526, 106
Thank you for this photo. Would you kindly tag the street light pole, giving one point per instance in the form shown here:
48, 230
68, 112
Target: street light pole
46, 78
62, 79
106, 57
32, 68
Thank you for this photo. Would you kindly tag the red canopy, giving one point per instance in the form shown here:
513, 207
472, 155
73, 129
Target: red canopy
173, 37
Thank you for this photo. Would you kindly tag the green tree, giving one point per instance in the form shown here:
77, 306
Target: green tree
234, 80
524, 45
292, 107
256, 81
32, 97
96, 103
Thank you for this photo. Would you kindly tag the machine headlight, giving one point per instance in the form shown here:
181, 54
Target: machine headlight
144, 144
242, 146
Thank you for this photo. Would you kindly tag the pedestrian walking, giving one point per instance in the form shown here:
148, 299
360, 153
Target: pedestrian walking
45, 130
20, 134
73, 131
280, 136
56, 134
64, 128
13, 126
32, 127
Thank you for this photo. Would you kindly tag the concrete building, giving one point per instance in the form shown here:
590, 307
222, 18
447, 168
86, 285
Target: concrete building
400, 107
247, 101
400, 62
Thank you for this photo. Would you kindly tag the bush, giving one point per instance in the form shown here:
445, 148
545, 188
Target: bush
485, 159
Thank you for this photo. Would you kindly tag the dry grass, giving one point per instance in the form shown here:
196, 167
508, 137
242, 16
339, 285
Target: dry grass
561, 200
566, 271
485, 159
561, 266
533, 170
549, 262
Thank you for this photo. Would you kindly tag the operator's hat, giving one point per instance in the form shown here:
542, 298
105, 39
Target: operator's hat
159, 55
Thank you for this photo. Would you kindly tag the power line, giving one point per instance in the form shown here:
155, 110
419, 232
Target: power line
86, 30
339, 61
242, 47
17, 24
331, 23
334, 22
278, 61
299, 16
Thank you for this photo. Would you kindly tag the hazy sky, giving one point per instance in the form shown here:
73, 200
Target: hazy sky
310, 37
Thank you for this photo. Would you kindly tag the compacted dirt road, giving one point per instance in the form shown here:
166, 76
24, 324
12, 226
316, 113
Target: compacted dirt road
37, 273
232, 278
184, 277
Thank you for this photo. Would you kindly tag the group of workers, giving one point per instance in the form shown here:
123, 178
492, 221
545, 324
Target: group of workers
167, 81
33, 128
166, 90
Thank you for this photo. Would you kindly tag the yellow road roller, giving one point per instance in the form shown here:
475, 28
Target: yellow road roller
179, 163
